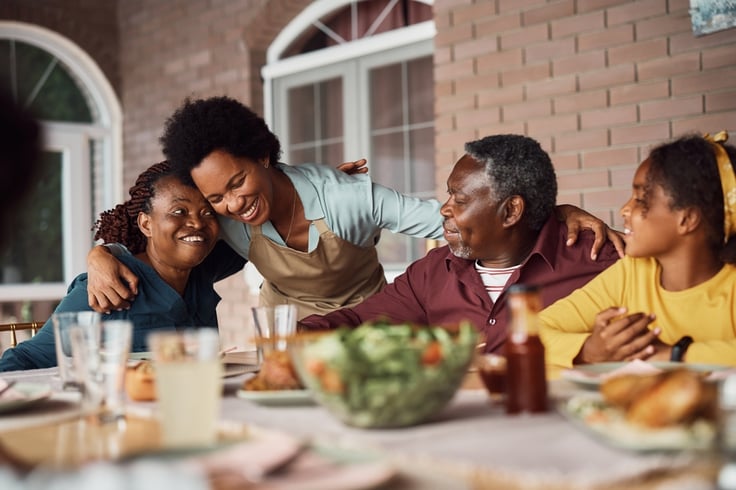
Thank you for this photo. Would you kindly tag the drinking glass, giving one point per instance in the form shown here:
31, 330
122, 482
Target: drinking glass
63, 322
188, 374
100, 357
273, 326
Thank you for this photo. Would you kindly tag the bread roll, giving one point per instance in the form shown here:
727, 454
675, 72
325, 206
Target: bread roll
140, 382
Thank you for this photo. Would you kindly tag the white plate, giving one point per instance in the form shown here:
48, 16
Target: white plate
32, 394
234, 369
590, 376
230, 369
277, 398
590, 413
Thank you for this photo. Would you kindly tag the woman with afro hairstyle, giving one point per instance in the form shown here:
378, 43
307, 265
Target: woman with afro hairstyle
673, 297
310, 230
170, 231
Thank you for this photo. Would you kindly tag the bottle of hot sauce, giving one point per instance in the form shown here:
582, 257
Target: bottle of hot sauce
526, 381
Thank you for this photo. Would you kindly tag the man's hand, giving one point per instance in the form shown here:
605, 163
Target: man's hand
354, 168
110, 284
618, 336
578, 219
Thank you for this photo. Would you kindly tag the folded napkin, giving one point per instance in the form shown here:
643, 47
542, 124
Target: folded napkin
261, 453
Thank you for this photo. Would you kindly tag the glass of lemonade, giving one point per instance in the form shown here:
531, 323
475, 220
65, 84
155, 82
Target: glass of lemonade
188, 385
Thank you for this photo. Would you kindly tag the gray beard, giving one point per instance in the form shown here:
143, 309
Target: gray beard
461, 250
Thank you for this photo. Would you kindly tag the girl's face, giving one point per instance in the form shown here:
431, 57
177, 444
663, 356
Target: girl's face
239, 188
650, 226
181, 228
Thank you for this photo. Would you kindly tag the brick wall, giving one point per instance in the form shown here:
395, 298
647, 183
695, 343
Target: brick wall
597, 82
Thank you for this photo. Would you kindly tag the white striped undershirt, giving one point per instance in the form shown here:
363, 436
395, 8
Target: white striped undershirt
494, 279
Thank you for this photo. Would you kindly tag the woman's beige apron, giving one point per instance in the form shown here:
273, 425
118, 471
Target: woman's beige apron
334, 275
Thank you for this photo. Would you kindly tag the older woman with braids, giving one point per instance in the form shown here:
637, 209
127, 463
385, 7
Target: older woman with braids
673, 297
170, 230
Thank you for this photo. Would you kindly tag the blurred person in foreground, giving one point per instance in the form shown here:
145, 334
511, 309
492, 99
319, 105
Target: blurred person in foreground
20, 160
170, 231
501, 229
673, 297
309, 229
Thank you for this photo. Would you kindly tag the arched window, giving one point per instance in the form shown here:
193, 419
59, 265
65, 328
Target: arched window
352, 79
81, 120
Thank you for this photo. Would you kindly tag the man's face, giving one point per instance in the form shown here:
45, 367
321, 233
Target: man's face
472, 217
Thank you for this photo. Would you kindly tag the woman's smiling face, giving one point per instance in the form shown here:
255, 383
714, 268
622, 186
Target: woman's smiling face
239, 188
181, 228
650, 224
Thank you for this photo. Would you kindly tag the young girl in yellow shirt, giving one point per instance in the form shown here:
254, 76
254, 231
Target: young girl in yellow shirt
673, 296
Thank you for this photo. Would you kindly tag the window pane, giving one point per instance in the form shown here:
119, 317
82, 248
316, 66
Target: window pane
43, 83
301, 110
421, 150
385, 96
387, 161
35, 251
316, 123
357, 20
421, 90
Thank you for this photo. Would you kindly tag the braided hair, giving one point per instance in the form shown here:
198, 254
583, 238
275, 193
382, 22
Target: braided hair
120, 224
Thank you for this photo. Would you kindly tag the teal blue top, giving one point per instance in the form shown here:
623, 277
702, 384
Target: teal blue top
157, 307
354, 208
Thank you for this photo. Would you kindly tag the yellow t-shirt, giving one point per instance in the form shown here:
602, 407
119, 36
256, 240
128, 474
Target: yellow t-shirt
706, 312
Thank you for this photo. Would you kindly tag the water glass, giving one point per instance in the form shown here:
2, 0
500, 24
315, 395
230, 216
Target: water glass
188, 386
273, 326
63, 322
100, 358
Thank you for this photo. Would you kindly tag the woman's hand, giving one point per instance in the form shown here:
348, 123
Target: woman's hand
110, 284
354, 168
619, 337
578, 219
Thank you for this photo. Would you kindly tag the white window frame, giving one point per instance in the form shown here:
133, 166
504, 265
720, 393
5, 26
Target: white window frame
80, 202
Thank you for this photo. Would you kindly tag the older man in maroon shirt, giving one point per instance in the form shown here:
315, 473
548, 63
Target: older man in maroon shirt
501, 229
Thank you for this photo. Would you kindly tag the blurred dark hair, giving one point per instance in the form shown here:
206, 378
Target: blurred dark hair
120, 224
199, 127
20, 157
687, 170
517, 165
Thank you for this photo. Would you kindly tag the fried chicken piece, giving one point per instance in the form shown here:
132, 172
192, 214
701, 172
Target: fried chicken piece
277, 373
674, 400
622, 390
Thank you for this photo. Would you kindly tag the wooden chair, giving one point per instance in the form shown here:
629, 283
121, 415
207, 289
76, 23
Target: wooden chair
14, 327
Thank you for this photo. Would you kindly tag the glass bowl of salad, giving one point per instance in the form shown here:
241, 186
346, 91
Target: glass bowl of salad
380, 375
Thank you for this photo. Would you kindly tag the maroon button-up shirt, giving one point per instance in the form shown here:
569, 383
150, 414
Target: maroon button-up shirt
441, 289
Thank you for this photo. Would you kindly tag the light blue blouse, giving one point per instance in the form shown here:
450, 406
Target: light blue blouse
354, 208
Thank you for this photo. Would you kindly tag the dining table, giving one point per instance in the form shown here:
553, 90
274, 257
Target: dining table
471, 444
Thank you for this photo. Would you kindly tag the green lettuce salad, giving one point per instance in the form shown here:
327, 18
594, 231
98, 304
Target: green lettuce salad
381, 375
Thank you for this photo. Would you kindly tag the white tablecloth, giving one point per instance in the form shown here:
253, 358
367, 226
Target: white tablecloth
470, 435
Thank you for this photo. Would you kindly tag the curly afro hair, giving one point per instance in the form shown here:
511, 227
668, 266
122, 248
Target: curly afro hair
199, 127
517, 165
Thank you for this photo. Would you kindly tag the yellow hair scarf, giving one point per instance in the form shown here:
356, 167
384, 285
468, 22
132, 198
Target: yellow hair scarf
728, 182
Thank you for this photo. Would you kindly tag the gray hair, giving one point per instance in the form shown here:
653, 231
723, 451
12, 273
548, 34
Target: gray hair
517, 165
